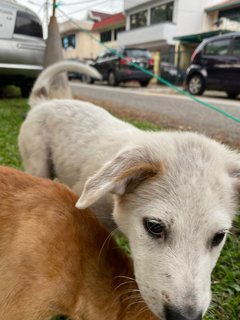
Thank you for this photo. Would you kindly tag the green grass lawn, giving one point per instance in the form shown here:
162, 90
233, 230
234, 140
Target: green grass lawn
226, 276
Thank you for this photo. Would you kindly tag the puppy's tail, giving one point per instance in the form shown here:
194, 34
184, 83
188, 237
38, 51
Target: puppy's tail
41, 88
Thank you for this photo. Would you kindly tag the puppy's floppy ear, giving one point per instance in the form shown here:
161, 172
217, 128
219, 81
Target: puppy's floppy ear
120, 176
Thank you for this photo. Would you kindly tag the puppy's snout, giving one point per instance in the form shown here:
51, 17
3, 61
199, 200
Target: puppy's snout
173, 313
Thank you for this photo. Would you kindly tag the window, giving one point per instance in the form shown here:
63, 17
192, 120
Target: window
217, 47
162, 13
106, 36
116, 31
27, 24
236, 47
138, 20
137, 53
103, 56
231, 14
69, 41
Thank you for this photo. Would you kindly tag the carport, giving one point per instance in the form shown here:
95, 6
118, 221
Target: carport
199, 37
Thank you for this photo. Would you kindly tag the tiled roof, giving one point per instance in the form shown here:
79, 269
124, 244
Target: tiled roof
114, 19
100, 15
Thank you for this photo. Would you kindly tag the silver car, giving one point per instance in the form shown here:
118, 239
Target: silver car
21, 46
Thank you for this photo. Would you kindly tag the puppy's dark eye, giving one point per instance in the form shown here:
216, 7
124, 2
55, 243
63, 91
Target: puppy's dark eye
154, 227
217, 239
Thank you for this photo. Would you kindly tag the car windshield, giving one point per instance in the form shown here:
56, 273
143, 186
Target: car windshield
27, 24
136, 53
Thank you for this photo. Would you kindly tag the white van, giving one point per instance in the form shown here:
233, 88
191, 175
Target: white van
21, 45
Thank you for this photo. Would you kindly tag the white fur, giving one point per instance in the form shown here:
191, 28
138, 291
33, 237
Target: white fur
41, 89
194, 194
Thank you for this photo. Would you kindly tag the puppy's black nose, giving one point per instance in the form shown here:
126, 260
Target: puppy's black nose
173, 313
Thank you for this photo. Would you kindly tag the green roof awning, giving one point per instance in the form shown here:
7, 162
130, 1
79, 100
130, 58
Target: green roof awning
199, 37
223, 5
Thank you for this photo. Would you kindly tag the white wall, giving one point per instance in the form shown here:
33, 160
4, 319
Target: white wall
134, 3
131, 4
189, 17
150, 34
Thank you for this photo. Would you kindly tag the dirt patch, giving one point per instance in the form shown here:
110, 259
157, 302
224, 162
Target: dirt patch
167, 123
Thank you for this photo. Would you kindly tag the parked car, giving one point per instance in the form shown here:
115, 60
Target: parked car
21, 46
171, 73
215, 65
115, 69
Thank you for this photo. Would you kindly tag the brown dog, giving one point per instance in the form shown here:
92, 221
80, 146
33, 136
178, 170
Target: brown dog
55, 259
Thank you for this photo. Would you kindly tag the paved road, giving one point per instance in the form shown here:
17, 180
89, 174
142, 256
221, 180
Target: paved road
172, 110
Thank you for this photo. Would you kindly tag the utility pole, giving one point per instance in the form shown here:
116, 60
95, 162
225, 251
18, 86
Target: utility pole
54, 8
53, 53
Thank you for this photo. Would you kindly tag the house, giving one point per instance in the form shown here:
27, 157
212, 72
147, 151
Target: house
97, 15
109, 28
220, 18
164, 26
76, 42
223, 16
80, 39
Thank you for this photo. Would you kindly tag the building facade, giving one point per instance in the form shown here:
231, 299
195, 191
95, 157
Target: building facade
76, 42
109, 29
163, 26
80, 39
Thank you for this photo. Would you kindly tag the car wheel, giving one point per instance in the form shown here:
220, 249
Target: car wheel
112, 79
232, 94
87, 79
144, 83
196, 85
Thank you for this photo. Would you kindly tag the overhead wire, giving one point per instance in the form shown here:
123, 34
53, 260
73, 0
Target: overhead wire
77, 3
41, 8
88, 7
33, 2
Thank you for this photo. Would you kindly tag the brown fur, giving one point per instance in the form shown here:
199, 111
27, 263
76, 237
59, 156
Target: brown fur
149, 169
55, 259
139, 173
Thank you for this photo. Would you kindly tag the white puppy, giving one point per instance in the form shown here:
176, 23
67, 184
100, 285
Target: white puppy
175, 193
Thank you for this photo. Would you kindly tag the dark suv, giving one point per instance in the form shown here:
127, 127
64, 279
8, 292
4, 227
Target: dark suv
215, 65
115, 69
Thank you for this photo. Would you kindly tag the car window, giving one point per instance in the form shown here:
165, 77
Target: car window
28, 24
101, 56
217, 47
111, 54
133, 53
236, 47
